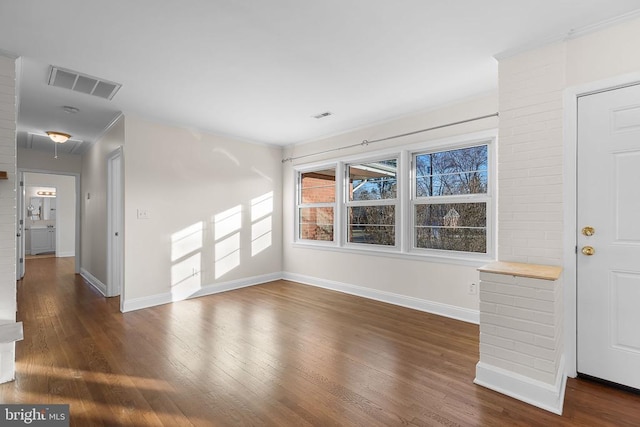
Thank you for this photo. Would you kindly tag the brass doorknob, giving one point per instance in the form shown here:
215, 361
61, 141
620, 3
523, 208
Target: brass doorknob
588, 250
588, 231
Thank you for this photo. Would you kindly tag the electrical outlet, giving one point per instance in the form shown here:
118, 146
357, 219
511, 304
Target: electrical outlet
143, 214
473, 289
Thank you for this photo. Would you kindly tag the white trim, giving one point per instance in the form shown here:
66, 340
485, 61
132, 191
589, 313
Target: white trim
112, 222
549, 397
169, 297
569, 35
446, 310
8, 372
93, 281
453, 312
447, 258
11, 332
404, 201
570, 150
78, 259
65, 254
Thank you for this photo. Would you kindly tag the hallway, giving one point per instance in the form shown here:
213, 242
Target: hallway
277, 354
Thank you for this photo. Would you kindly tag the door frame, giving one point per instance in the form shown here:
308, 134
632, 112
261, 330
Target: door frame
20, 225
21, 172
570, 201
115, 222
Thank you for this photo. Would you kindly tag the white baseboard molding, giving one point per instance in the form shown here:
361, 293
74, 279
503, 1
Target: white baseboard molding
93, 281
195, 292
458, 313
537, 393
446, 310
65, 254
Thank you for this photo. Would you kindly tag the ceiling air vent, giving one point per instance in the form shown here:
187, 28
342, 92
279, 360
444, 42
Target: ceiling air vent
322, 115
67, 79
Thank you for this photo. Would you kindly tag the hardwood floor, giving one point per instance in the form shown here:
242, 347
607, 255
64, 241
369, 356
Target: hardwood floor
280, 354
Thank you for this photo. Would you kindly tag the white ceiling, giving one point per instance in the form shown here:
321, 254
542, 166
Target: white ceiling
258, 70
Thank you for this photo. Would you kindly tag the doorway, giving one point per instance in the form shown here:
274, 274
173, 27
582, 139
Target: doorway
48, 212
608, 235
115, 225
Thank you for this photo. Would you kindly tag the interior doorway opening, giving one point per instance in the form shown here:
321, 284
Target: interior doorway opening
48, 216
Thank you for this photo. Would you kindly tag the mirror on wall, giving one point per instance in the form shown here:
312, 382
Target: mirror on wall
42, 206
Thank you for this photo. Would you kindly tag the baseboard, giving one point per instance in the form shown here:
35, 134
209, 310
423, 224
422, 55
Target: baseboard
65, 254
169, 297
537, 393
458, 313
93, 281
446, 310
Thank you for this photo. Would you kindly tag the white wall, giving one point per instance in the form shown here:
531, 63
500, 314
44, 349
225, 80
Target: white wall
412, 282
537, 148
532, 87
42, 161
93, 203
199, 191
8, 306
65, 209
530, 157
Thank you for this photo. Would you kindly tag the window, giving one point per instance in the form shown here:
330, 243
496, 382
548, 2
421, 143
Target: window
450, 202
316, 204
371, 204
412, 201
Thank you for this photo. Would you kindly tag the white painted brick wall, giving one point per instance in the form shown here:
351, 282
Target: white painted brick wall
530, 156
7, 211
521, 325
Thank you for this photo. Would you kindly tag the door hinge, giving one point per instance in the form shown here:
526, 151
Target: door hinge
21, 221
21, 183
21, 260
576, 249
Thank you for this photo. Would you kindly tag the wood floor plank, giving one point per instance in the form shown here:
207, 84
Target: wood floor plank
279, 354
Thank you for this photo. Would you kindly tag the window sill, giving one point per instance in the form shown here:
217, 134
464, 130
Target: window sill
466, 260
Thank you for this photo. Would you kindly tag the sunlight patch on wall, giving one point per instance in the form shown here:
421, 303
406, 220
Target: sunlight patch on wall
227, 227
227, 222
260, 235
262, 206
186, 257
186, 241
185, 277
261, 223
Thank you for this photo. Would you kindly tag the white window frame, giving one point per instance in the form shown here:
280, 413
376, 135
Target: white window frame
373, 203
486, 198
299, 205
404, 247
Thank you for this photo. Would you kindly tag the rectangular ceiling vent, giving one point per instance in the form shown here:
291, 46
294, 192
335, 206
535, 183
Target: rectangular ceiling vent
67, 79
323, 115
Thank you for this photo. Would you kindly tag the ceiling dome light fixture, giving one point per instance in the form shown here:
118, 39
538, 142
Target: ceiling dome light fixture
60, 137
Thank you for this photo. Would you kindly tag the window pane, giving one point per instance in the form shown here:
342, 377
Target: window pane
452, 226
316, 224
373, 225
318, 186
444, 173
373, 181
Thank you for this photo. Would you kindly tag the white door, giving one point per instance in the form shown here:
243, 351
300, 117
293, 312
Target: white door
609, 202
115, 225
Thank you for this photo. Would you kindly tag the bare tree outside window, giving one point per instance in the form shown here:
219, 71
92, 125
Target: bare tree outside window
444, 181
